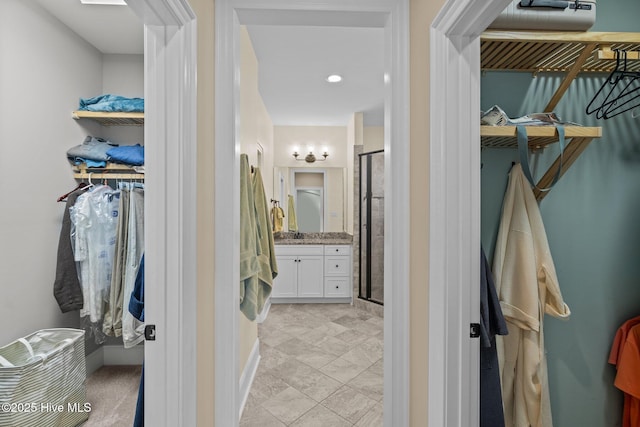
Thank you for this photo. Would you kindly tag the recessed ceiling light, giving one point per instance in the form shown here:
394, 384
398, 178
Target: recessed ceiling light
105, 2
334, 78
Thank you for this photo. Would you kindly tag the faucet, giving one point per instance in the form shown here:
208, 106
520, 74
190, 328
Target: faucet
298, 235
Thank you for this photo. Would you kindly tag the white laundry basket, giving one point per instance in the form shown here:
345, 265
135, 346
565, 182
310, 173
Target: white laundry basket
559, 15
42, 380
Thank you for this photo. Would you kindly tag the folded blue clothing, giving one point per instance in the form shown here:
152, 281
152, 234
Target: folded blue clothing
111, 103
127, 154
89, 163
91, 149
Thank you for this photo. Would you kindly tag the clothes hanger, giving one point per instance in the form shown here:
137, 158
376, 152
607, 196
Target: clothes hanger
80, 186
610, 83
622, 83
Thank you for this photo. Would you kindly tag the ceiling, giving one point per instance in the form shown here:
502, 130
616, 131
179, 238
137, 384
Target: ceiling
294, 62
111, 29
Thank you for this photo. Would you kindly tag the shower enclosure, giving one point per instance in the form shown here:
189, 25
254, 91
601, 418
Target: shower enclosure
372, 226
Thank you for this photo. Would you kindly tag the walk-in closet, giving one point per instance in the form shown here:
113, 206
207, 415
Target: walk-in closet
590, 213
52, 57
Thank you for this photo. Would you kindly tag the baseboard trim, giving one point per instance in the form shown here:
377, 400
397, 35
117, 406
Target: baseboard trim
319, 300
118, 355
265, 311
94, 361
248, 374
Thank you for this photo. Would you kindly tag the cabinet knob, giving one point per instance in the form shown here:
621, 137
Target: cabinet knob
337, 287
337, 265
337, 250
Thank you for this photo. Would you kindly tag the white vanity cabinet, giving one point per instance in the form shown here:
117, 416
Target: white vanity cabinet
312, 273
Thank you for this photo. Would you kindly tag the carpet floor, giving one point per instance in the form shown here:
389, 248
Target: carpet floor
113, 393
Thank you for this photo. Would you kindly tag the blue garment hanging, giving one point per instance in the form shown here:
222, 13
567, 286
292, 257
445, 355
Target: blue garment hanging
136, 308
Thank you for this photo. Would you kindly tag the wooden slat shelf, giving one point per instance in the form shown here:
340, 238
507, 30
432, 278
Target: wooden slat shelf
542, 51
111, 171
111, 119
539, 136
571, 53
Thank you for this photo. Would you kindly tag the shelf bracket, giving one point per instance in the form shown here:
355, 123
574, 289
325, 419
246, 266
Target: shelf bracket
574, 148
570, 76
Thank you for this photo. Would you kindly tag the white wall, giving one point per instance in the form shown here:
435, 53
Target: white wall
123, 75
44, 69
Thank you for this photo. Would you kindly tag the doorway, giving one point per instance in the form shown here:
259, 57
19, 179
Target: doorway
393, 17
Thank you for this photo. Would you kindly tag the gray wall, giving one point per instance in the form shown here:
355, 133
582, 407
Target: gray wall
593, 230
44, 69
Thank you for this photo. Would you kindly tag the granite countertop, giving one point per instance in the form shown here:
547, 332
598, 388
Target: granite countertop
329, 238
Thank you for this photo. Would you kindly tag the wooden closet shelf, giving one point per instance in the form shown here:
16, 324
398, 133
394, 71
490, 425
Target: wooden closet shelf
111, 119
539, 136
541, 51
111, 171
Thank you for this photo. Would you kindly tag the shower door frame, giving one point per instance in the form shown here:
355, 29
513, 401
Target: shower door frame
368, 222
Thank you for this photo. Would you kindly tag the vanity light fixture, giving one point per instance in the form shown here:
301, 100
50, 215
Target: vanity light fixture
334, 78
311, 158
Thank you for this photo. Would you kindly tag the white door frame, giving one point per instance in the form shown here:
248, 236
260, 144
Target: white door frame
393, 16
454, 210
170, 210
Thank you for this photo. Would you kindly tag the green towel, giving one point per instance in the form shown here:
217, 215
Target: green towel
249, 265
293, 222
266, 256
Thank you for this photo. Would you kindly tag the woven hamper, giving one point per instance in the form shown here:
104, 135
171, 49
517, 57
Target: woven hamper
42, 380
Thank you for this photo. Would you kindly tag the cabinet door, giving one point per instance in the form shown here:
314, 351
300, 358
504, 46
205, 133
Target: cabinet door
310, 276
285, 283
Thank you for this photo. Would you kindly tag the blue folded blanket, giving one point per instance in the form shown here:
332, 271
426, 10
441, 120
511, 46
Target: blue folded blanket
111, 103
127, 154
92, 149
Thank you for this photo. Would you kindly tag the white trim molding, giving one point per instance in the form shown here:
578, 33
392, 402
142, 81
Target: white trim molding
248, 375
170, 210
393, 16
454, 210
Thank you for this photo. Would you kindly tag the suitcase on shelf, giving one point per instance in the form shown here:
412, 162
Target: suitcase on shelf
554, 15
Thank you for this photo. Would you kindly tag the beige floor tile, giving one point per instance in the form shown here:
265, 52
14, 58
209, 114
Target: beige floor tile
288, 405
352, 337
321, 417
266, 385
291, 370
333, 345
368, 383
349, 404
273, 336
342, 370
373, 418
271, 357
331, 328
316, 385
300, 347
259, 417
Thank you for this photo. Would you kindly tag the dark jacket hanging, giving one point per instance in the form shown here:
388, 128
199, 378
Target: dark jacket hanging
66, 287
492, 323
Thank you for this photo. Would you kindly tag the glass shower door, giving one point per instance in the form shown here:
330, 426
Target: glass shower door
372, 226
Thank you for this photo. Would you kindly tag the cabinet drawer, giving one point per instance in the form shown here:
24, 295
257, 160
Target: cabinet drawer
298, 250
337, 287
337, 250
336, 265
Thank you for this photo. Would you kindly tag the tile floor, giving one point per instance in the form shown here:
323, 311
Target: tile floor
321, 365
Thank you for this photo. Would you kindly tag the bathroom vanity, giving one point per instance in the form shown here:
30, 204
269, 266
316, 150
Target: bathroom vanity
314, 268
